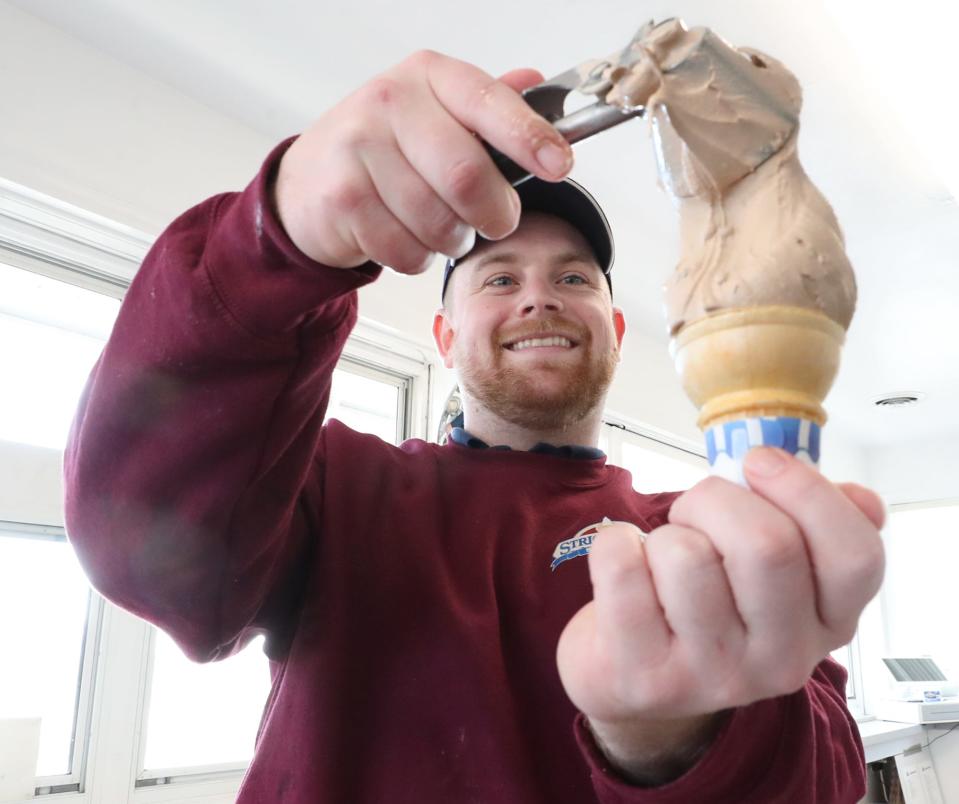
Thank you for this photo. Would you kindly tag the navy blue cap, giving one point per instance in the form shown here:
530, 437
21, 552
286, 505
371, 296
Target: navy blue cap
567, 200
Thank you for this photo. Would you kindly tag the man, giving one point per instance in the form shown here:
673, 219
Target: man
422, 647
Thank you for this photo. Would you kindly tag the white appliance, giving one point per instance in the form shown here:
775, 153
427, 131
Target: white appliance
921, 693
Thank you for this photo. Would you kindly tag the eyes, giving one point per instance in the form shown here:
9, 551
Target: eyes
506, 280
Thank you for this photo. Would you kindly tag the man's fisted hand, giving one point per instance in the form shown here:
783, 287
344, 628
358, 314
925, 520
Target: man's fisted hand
394, 173
737, 599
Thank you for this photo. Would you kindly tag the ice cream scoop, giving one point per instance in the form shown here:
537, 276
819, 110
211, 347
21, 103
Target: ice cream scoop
618, 86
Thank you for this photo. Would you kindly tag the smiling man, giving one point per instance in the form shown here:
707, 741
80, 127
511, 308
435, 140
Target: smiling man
435, 627
529, 324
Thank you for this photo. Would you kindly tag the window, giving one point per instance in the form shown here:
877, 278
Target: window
49, 630
51, 333
369, 400
655, 461
48, 625
922, 552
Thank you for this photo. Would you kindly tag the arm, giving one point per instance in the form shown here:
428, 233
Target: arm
188, 472
727, 609
197, 426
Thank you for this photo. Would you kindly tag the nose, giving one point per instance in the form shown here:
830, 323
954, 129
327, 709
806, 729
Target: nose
539, 295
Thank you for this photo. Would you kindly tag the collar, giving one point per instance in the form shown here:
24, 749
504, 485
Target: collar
460, 436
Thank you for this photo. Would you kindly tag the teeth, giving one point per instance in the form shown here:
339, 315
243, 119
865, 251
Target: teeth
529, 343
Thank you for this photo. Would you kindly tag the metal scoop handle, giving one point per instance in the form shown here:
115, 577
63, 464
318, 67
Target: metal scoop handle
589, 78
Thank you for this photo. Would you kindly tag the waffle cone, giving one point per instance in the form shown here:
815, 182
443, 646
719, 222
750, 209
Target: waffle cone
758, 361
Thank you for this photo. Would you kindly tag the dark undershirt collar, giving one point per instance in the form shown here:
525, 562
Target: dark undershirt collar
460, 436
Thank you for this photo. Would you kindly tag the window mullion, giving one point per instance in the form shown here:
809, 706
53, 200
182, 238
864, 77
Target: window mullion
118, 707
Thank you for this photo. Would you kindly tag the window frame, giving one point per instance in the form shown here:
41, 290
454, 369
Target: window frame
619, 429
86, 677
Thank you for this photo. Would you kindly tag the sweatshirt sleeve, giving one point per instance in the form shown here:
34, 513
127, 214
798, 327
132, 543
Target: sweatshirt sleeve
189, 456
802, 748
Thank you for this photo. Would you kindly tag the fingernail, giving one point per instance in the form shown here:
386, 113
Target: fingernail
504, 228
466, 239
554, 159
765, 461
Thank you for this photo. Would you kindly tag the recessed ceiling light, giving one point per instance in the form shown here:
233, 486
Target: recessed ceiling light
898, 400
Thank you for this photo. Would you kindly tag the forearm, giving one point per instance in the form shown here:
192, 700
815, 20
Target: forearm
650, 753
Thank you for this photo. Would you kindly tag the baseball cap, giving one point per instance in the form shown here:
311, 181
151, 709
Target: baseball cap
567, 200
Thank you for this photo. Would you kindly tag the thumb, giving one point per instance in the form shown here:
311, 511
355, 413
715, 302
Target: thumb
522, 78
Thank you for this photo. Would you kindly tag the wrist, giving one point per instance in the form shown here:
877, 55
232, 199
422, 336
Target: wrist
650, 753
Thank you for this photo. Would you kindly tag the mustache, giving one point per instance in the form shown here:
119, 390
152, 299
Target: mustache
544, 326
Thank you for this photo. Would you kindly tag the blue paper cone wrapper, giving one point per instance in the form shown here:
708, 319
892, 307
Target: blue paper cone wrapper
728, 443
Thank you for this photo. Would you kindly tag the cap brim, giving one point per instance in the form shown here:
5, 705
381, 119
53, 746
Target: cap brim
570, 201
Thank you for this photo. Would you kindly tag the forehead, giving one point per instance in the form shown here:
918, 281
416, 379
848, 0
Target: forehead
539, 237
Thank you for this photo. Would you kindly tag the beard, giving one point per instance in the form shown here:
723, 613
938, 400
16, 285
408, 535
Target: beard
514, 394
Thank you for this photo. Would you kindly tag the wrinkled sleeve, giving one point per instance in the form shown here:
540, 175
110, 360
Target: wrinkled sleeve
802, 748
197, 431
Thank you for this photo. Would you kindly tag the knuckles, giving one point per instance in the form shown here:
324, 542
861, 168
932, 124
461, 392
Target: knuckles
465, 180
775, 546
422, 60
686, 550
348, 196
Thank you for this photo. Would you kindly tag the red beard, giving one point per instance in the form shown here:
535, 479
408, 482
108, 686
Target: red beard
514, 395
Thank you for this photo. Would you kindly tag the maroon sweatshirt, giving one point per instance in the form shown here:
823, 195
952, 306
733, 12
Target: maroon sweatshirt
411, 596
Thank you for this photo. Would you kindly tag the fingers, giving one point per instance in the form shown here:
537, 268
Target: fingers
630, 621
453, 163
664, 616
500, 116
396, 171
843, 541
867, 501
521, 79
764, 557
367, 227
697, 600
414, 204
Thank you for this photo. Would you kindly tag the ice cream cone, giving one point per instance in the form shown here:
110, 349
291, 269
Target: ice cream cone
758, 361
759, 376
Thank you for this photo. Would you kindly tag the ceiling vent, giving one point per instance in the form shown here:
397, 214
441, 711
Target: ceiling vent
897, 400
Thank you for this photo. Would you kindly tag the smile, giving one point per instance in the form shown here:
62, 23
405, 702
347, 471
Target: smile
538, 343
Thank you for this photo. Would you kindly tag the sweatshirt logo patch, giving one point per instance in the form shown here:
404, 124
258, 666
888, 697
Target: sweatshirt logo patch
579, 544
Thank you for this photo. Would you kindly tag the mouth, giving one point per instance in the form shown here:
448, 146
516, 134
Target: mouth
551, 341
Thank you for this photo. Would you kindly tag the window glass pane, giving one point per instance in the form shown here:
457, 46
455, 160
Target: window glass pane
44, 598
653, 471
366, 404
51, 333
922, 553
844, 657
204, 714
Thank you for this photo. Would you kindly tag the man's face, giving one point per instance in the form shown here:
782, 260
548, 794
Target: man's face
529, 326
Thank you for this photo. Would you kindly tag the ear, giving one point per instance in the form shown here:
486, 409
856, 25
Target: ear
619, 327
443, 336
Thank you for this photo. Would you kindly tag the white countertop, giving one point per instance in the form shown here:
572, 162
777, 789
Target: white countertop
884, 738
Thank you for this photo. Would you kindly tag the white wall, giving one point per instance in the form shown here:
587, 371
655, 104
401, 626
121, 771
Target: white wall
927, 470
82, 127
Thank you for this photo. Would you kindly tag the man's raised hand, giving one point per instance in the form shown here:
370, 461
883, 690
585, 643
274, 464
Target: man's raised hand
394, 173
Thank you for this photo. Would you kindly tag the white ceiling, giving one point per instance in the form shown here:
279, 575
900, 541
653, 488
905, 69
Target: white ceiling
275, 67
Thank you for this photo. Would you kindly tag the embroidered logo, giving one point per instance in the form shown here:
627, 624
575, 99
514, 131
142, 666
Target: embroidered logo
579, 544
